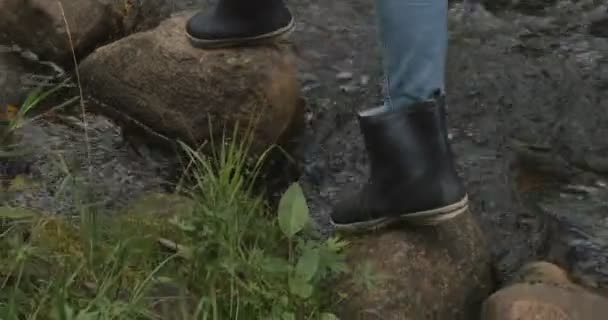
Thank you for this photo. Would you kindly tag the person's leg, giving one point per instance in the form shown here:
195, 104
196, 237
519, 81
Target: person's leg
413, 39
412, 173
240, 22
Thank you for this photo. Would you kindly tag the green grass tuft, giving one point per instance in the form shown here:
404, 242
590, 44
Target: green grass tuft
221, 254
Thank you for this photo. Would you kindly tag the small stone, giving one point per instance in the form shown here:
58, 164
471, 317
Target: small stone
364, 80
344, 75
309, 116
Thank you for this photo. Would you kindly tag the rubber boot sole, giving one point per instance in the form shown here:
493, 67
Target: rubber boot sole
421, 218
269, 37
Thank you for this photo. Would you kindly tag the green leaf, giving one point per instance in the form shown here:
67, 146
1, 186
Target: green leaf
308, 264
293, 211
300, 288
336, 244
328, 316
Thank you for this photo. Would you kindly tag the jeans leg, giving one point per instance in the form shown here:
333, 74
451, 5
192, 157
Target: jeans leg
414, 37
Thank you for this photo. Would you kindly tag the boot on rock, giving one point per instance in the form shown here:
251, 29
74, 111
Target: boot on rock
240, 22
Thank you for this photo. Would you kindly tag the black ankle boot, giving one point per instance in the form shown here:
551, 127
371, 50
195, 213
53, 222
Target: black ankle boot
412, 172
240, 22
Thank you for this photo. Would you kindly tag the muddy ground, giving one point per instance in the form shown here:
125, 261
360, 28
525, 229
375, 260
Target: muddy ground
527, 116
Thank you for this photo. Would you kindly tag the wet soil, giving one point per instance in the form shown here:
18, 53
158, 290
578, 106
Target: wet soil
527, 120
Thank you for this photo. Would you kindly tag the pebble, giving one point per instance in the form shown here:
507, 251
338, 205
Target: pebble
344, 75
364, 80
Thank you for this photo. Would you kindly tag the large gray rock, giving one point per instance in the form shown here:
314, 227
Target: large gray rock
599, 22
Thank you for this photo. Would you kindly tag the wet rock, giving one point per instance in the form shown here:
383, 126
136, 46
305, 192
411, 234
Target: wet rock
599, 22
497, 5
425, 273
544, 294
525, 6
156, 83
39, 26
577, 233
533, 6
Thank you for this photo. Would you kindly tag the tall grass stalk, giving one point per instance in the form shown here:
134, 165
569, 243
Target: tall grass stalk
79, 83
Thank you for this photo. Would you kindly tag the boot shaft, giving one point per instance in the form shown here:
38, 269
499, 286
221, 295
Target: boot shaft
405, 144
248, 8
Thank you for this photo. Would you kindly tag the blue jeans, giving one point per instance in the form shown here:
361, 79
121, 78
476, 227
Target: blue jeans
414, 39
